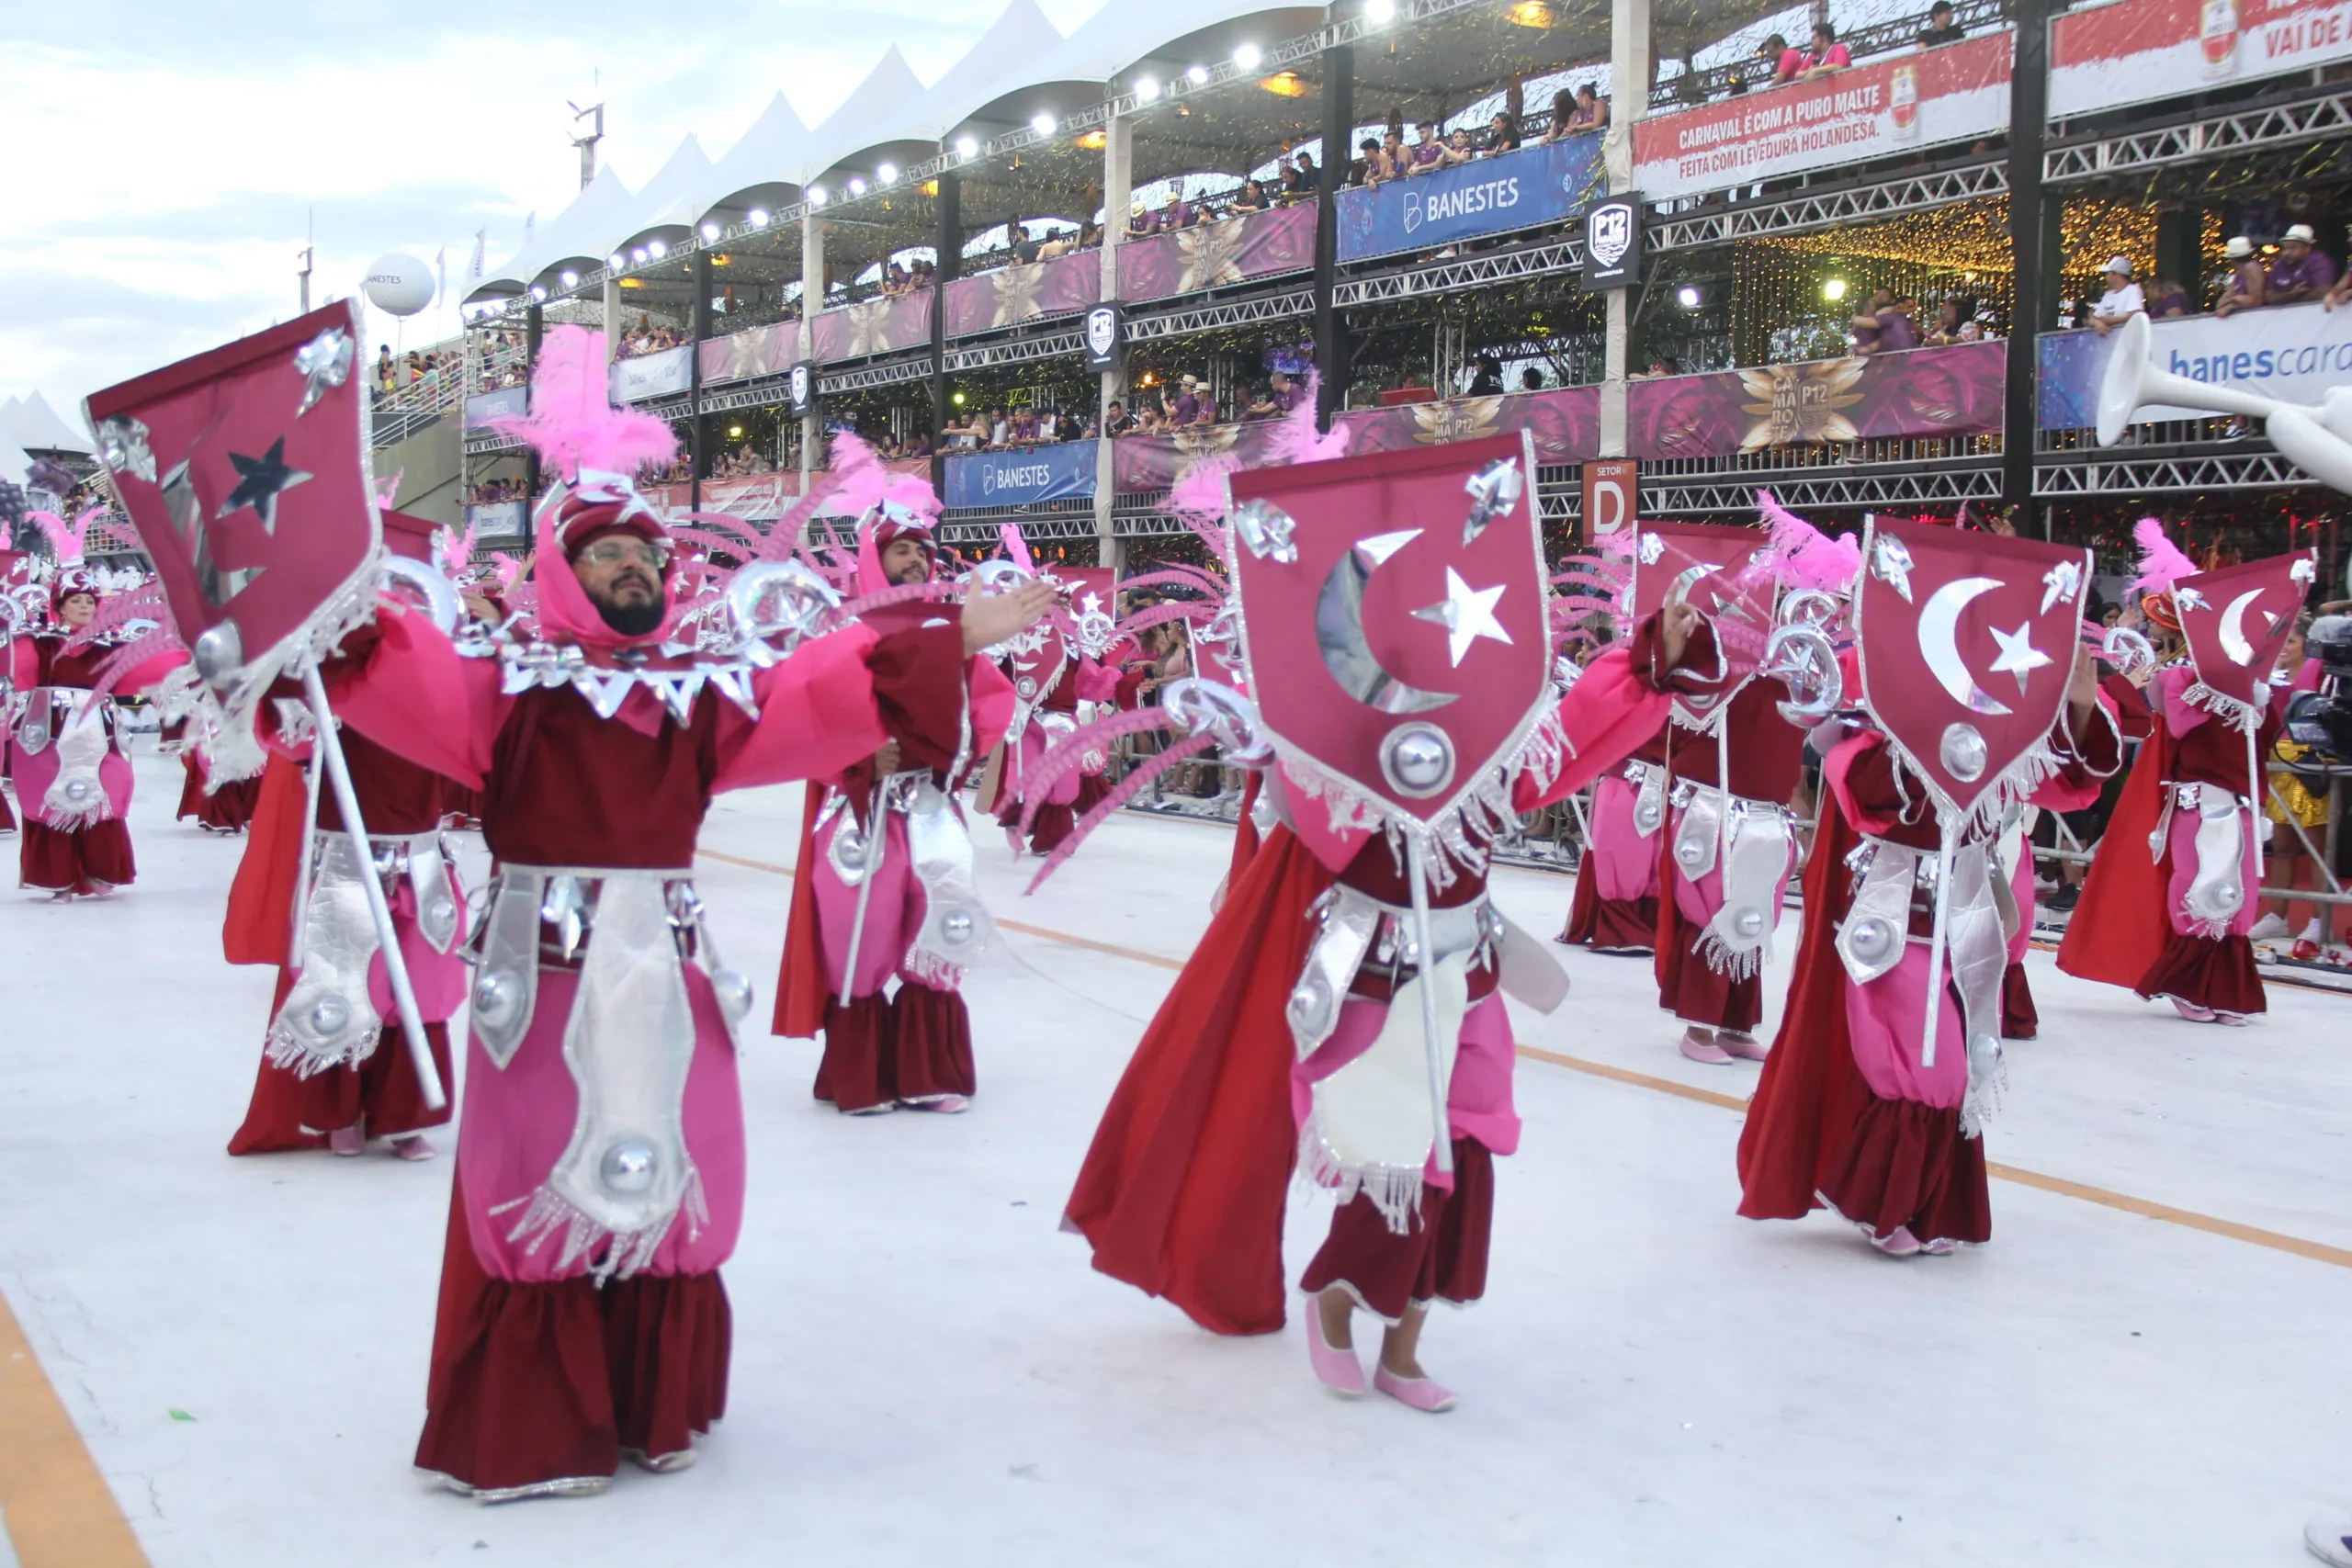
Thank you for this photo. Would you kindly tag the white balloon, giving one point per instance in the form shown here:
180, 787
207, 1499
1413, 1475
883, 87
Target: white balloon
399, 285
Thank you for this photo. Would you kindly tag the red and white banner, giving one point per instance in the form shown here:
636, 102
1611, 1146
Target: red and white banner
2138, 51
1890, 105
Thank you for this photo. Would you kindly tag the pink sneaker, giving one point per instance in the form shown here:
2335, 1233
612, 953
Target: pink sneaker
347, 1141
1898, 1243
1700, 1046
2188, 1010
410, 1146
1742, 1044
1340, 1369
945, 1104
1422, 1393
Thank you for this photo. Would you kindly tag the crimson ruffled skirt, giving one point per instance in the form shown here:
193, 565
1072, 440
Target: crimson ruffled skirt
85, 859
1903, 1163
1442, 1259
2208, 972
914, 1047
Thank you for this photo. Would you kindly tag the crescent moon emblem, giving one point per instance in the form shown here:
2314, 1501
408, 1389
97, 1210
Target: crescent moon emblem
1338, 633
2232, 632
1688, 580
1940, 641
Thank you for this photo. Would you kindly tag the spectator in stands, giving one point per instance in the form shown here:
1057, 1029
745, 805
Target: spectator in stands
1941, 27
999, 428
1115, 421
2249, 285
2169, 298
2341, 294
1563, 108
1176, 215
1826, 56
1251, 200
1787, 60
1139, 222
2300, 273
2122, 299
1888, 326
1371, 167
1309, 177
1458, 149
1591, 112
384, 367
1489, 380
1024, 429
1285, 393
1258, 405
1530, 380
1428, 153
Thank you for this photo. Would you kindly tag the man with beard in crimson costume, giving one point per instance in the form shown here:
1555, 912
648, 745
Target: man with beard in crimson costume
601, 1162
912, 1049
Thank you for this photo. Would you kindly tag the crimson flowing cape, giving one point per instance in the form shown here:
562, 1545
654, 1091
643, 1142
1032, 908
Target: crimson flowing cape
1181, 1193
800, 989
2120, 927
1811, 1090
259, 928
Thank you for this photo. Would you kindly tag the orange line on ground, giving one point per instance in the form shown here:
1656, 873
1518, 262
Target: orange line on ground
2123, 1202
54, 1505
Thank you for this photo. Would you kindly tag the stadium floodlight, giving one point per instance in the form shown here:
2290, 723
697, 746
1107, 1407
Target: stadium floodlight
538, 292
638, 255
1689, 297
571, 279
856, 186
710, 231
887, 173
1146, 88
967, 148
1197, 75
658, 248
1380, 13
759, 217
816, 196
614, 262
1042, 123
1247, 57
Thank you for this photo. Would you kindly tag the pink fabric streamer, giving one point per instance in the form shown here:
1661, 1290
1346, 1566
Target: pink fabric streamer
902, 593
572, 423
2161, 563
1129, 787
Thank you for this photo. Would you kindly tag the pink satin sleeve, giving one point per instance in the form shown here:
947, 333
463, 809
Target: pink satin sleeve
24, 663
411, 695
817, 717
1605, 716
1096, 683
147, 671
2179, 714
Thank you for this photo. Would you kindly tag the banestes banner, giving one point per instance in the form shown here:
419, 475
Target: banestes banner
2138, 51
1545, 184
1936, 96
1060, 472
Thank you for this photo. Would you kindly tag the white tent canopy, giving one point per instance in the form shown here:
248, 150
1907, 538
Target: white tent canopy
31, 424
996, 64
579, 230
874, 103
777, 142
671, 200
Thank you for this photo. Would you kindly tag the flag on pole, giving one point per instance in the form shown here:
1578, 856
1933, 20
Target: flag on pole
481, 247
530, 223
441, 274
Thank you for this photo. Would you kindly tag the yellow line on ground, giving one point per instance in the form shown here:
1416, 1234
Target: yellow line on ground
55, 1504
2123, 1202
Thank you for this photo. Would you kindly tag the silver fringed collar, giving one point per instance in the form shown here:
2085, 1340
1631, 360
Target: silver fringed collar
673, 674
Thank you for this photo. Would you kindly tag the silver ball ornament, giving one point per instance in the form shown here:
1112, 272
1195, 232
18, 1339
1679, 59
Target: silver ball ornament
498, 998
628, 1167
330, 1015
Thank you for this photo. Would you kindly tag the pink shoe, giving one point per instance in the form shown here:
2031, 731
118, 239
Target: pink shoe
945, 1104
347, 1141
2235, 1020
1340, 1369
2191, 1011
1744, 1047
1898, 1243
1938, 1247
1422, 1393
410, 1146
1700, 1046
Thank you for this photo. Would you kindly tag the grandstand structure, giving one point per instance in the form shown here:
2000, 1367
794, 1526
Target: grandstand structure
1996, 172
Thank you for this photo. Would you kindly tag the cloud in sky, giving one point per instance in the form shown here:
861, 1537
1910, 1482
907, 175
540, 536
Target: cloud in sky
159, 189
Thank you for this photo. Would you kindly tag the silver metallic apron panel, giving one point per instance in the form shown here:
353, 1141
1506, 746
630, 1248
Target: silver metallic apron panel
328, 1019
957, 925
2217, 892
76, 798
625, 1177
1649, 796
1738, 937
1871, 941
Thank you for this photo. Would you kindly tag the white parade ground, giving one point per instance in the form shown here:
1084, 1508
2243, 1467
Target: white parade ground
927, 1371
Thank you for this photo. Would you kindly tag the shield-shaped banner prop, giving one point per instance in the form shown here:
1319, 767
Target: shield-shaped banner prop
1091, 596
2236, 618
245, 472
1395, 618
1967, 644
1707, 565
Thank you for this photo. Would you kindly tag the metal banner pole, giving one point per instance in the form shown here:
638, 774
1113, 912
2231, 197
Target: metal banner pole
1416, 872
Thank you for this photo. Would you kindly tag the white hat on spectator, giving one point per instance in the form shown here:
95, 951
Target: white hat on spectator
2239, 248
1192, 380
2301, 231
2121, 265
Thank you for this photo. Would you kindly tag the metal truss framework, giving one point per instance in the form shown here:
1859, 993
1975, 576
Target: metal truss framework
1859, 486
1010, 351
2253, 129
2149, 474
1547, 260
1065, 525
485, 443
1224, 313
1828, 208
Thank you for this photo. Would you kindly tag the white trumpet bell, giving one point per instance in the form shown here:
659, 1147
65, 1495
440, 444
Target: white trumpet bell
2316, 440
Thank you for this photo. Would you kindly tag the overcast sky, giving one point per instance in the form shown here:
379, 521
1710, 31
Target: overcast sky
159, 171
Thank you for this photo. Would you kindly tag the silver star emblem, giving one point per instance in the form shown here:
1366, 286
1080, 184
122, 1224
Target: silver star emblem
1467, 614
325, 362
2017, 653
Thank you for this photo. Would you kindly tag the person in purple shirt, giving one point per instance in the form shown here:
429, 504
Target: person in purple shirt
1888, 327
1429, 152
1188, 402
2299, 273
